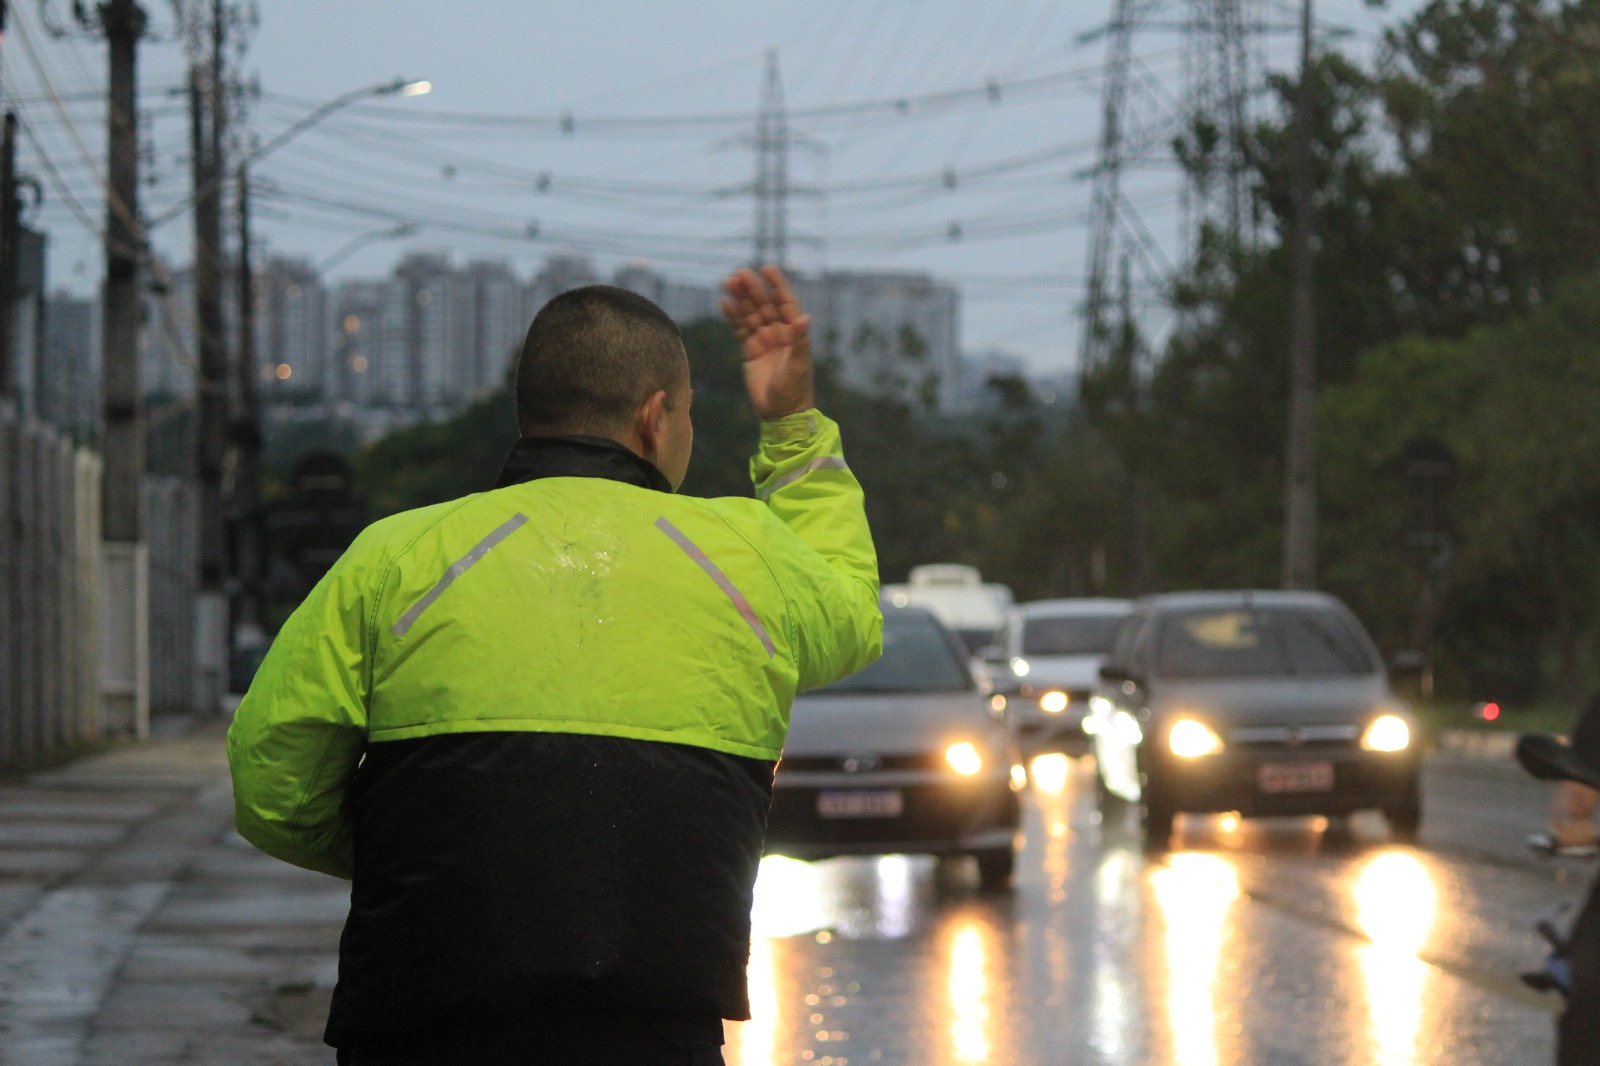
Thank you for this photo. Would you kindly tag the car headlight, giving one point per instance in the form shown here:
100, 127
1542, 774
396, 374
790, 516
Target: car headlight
1019, 666
963, 758
1190, 739
1128, 726
1388, 732
1053, 702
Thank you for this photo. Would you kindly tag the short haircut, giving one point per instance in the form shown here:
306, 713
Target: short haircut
592, 356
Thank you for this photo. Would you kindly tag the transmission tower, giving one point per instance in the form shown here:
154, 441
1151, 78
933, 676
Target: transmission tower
772, 171
1140, 117
1218, 71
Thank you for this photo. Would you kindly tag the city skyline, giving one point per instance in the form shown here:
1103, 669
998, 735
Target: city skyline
439, 332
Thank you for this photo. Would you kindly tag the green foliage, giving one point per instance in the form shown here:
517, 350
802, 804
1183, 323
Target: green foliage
438, 461
1457, 223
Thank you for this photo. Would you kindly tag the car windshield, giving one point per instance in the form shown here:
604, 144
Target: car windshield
975, 640
1261, 642
917, 657
1082, 635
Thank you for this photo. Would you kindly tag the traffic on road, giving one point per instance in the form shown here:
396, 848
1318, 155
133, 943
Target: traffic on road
1141, 916
1277, 940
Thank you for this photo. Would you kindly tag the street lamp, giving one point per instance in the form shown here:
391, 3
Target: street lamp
397, 87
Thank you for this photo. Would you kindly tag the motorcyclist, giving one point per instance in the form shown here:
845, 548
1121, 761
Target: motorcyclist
1573, 832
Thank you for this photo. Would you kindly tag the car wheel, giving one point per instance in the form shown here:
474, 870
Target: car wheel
1156, 817
995, 867
1405, 816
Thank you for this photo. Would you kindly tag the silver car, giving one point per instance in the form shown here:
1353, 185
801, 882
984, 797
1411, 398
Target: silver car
911, 755
1048, 664
1265, 703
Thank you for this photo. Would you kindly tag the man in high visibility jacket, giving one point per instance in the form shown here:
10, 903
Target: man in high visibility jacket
536, 726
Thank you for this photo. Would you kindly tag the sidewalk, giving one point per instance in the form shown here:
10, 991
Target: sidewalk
137, 928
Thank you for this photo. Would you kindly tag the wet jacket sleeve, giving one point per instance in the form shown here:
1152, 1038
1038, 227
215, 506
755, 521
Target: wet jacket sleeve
801, 474
299, 734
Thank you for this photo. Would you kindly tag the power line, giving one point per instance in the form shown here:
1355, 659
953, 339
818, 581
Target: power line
993, 91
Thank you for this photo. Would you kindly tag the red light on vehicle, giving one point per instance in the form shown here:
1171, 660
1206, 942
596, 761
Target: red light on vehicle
1490, 711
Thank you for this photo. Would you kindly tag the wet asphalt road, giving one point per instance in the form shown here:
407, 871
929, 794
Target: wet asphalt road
137, 929
1274, 941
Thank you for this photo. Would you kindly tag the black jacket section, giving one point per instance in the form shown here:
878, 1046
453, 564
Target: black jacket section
496, 871
536, 457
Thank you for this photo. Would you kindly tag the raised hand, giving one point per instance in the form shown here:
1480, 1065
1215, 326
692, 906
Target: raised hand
776, 339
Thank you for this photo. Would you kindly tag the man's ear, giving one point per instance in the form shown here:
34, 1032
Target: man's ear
650, 424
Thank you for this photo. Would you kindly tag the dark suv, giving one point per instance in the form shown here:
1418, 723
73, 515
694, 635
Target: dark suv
1265, 703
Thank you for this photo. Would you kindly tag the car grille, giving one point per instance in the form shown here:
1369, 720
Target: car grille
1299, 737
932, 813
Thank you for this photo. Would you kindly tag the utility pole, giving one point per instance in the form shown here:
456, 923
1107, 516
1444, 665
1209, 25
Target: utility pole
1300, 512
125, 562
246, 509
208, 122
772, 171
10, 223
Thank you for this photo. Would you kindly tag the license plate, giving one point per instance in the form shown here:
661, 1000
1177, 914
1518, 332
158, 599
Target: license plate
1295, 777
876, 803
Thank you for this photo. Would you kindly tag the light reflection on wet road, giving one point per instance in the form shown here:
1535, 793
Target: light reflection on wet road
1286, 941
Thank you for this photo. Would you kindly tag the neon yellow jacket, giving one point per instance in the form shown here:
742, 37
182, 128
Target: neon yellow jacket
574, 605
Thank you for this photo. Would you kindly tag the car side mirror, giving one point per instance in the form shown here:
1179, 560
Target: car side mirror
1119, 675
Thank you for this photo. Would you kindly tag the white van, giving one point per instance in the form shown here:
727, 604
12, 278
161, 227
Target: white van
958, 597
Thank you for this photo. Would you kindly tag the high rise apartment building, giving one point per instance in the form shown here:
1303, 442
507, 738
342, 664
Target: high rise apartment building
293, 338
167, 365
360, 349
433, 336
888, 334
682, 302
69, 376
493, 318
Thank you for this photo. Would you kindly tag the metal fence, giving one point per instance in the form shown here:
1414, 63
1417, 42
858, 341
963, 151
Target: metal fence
50, 552
49, 572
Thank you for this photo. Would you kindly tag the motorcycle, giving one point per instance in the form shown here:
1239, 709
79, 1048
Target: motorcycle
1572, 966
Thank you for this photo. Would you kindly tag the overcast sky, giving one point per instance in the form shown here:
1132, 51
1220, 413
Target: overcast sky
949, 137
